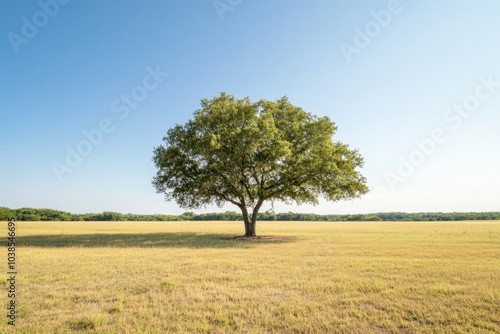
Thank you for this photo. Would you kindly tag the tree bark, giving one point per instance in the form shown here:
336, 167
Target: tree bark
249, 223
250, 229
246, 220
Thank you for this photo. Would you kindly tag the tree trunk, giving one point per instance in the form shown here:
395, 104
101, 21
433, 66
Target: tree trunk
250, 229
249, 223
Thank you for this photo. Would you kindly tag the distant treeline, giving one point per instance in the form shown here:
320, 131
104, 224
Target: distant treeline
29, 214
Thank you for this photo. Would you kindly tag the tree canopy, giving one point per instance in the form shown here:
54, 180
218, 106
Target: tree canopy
242, 152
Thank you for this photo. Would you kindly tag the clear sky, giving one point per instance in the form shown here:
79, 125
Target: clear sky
89, 88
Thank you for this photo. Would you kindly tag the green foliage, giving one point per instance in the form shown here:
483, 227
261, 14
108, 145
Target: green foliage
245, 153
27, 214
31, 214
6, 214
228, 215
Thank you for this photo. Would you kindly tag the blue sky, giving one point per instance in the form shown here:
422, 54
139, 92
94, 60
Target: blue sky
413, 85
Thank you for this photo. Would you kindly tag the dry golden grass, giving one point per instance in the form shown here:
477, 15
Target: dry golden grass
183, 277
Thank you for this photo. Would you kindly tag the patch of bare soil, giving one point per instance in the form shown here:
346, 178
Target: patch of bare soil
266, 238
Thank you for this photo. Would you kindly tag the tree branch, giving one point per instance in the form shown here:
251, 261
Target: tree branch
224, 197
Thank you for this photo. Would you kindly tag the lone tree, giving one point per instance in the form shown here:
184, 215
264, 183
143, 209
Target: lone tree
245, 153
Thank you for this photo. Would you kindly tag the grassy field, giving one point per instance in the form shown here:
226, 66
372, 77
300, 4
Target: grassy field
176, 277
